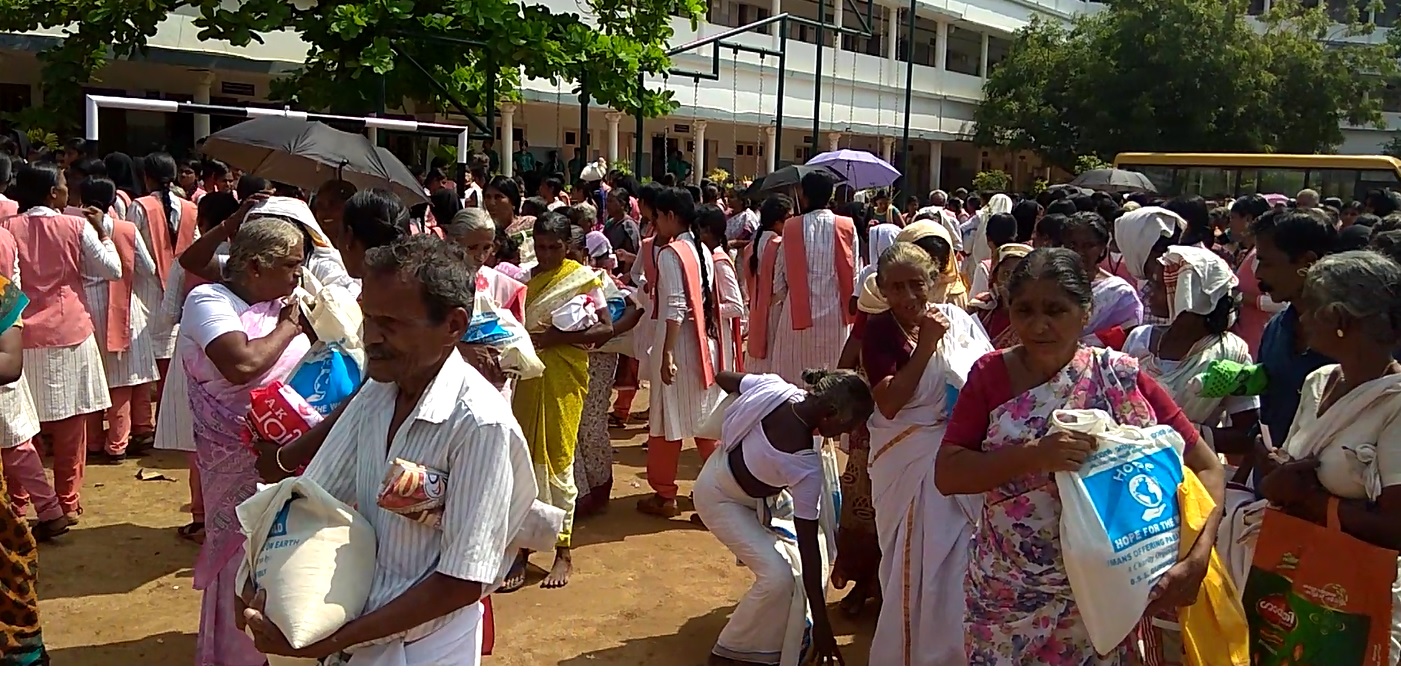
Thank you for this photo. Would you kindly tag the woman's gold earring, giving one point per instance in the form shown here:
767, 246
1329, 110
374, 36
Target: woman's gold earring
1340, 333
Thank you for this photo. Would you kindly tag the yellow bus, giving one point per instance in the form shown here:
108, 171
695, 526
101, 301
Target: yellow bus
1231, 175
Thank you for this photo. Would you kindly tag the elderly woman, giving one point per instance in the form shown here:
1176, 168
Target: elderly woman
991, 305
474, 230
916, 353
1344, 447
236, 336
999, 445
1143, 235
549, 407
770, 498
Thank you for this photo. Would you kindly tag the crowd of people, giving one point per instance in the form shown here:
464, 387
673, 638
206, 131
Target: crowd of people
143, 300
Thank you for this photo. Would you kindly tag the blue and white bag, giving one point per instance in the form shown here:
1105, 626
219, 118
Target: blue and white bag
1120, 521
327, 376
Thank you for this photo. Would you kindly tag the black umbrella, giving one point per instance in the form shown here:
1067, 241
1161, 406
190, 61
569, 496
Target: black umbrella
792, 175
1112, 180
307, 154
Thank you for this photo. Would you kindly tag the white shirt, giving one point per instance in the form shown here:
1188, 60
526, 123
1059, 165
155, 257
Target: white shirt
461, 426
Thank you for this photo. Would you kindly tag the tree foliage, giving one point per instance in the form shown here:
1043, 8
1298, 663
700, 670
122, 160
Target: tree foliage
1185, 75
361, 52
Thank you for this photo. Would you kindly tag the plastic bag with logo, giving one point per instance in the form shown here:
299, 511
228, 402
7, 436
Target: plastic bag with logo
499, 329
1119, 524
1317, 596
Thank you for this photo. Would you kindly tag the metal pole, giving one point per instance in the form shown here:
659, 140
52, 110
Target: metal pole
637, 136
782, 78
909, 92
817, 78
584, 115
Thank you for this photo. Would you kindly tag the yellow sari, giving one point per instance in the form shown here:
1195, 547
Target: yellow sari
548, 408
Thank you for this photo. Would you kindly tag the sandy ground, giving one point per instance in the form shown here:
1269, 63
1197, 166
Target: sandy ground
117, 590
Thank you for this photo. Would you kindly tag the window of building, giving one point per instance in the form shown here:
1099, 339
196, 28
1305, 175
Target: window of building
1256, 7
997, 50
965, 51
14, 97
1390, 14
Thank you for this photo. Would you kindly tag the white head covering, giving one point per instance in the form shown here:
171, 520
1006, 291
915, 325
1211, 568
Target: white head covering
879, 239
1137, 231
325, 261
1196, 279
998, 204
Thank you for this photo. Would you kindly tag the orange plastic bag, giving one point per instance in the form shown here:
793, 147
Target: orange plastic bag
1317, 596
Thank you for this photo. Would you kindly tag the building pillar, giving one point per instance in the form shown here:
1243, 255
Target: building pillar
936, 163
775, 9
983, 65
941, 46
770, 148
834, 140
698, 135
508, 139
892, 40
887, 149
203, 88
613, 117
837, 35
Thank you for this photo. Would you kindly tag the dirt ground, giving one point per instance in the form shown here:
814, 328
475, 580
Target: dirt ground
117, 590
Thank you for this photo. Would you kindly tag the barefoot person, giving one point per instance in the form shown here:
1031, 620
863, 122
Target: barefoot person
549, 407
422, 404
771, 462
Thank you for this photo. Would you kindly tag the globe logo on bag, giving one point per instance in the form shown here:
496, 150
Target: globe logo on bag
1146, 491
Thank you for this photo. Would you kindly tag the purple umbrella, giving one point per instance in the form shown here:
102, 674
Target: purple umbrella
861, 169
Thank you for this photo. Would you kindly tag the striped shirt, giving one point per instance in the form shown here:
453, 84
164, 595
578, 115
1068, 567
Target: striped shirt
462, 427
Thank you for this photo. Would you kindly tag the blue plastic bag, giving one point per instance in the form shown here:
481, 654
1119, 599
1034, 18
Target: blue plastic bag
616, 307
485, 328
327, 376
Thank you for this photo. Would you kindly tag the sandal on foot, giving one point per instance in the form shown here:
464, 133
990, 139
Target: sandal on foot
49, 529
194, 531
658, 506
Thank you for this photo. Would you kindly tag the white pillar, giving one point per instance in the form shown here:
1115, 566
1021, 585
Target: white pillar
892, 40
698, 136
836, 35
941, 46
770, 148
613, 117
887, 149
936, 163
833, 140
775, 9
983, 71
203, 88
508, 139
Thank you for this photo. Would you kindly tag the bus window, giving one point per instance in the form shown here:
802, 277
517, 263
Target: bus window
1249, 182
1339, 183
1208, 182
1286, 182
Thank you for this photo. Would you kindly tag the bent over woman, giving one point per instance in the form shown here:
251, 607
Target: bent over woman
770, 498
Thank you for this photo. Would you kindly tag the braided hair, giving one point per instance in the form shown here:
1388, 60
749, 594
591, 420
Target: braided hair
679, 203
161, 171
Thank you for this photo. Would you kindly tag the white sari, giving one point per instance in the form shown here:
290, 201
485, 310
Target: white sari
924, 535
771, 624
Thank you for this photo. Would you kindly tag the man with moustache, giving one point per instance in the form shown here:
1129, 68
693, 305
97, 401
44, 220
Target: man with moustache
424, 405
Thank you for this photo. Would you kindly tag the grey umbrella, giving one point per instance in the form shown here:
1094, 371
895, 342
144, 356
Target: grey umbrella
792, 175
1111, 180
307, 154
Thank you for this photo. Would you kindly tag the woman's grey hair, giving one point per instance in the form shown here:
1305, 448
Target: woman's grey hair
263, 241
1365, 286
841, 390
439, 266
904, 254
468, 220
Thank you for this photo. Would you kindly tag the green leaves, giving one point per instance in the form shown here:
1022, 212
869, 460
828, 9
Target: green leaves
360, 50
1183, 75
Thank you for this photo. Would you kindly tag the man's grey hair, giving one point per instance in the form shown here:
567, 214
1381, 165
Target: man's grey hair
938, 198
1365, 286
263, 241
1307, 195
440, 267
468, 220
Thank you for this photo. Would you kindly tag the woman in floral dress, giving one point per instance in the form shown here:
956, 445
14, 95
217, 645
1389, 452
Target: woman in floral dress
1020, 609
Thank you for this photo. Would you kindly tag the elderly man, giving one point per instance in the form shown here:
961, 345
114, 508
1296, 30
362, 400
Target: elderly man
938, 210
423, 404
1306, 199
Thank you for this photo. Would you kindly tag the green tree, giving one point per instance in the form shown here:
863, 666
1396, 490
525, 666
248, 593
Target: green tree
1184, 75
362, 50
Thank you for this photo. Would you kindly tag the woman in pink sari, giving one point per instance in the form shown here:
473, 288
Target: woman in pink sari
237, 335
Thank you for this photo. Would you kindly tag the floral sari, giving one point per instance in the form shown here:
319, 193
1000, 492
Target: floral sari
549, 407
1020, 609
21, 639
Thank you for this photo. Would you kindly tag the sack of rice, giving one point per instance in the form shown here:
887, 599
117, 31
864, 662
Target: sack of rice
314, 555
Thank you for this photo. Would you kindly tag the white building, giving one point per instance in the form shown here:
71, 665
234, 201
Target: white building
727, 123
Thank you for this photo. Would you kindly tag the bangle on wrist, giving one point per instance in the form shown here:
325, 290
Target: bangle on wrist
278, 457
